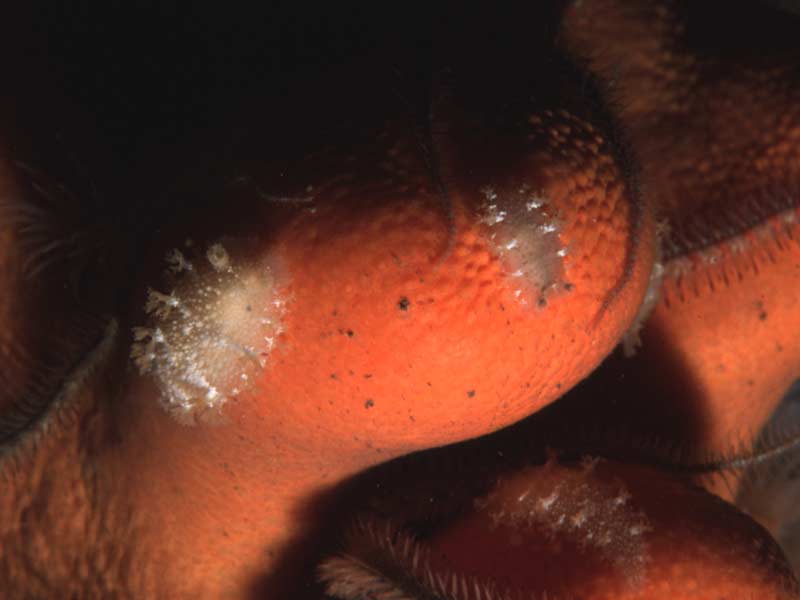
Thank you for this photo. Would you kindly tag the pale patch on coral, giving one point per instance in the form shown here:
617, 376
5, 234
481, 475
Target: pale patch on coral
572, 502
524, 234
208, 337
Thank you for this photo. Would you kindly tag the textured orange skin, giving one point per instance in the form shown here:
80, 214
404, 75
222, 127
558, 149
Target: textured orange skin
718, 349
730, 139
213, 511
465, 358
706, 550
713, 333
200, 490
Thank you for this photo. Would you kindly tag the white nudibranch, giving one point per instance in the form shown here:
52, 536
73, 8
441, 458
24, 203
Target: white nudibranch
526, 238
208, 337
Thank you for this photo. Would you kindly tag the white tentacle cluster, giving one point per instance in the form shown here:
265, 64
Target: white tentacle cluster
526, 238
209, 336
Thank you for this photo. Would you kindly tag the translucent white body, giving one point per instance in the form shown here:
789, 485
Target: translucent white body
526, 238
209, 336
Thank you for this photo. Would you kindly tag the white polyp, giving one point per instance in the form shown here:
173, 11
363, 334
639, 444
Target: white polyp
218, 257
533, 204
209, 336
525, 236
177, 262
547, 502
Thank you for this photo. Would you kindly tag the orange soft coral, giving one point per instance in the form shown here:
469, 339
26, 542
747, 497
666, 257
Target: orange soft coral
420, 292
414, 248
